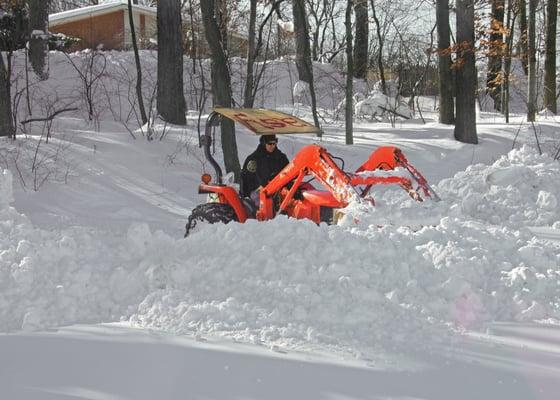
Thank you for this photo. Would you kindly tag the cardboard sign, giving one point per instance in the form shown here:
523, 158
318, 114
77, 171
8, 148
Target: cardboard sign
267, 122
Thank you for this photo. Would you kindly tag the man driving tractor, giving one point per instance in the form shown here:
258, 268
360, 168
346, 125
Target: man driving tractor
262, 166
280, 186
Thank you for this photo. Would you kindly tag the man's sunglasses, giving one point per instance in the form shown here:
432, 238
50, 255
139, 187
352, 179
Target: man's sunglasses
274, 142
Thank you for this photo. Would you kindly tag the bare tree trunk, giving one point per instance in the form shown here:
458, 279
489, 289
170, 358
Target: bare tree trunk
221, 7
522, 44
254, 48
493, 78
465, 125
303, 54
248, 92
221, 83
192, 43
550, 100
170, 96
302, 41
361, 45
380, 40
445, 82
6, 117
348, 114
38, 42
417, 85
138, 66
313, 9
511, 17
532, 54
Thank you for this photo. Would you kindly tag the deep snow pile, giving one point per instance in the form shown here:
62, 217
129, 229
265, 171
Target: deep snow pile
54, 278
520, 189
366, 285
290, 282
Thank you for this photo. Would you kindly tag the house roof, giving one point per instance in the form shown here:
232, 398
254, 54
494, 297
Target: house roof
108, 7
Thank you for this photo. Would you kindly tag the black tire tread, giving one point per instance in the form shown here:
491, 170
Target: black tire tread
210, 213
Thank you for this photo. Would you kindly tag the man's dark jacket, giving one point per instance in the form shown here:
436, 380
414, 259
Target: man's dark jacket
260, 167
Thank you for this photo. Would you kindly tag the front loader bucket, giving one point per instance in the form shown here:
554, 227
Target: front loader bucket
389, 158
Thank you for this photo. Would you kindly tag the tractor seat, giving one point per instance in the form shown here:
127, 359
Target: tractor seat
320, 198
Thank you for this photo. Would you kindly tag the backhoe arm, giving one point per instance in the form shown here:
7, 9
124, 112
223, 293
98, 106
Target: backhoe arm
389, 158
386, 166
310, 160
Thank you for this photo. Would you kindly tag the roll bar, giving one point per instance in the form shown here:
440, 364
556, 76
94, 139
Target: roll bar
259, 121
213, 119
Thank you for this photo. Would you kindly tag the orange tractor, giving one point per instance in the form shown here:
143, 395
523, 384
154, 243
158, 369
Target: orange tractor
288, 193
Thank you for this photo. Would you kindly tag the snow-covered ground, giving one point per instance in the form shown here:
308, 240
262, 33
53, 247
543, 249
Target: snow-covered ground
102, 298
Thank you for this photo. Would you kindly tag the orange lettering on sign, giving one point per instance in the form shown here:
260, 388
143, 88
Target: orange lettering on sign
243, 118
268, 123
292, 122
273, 123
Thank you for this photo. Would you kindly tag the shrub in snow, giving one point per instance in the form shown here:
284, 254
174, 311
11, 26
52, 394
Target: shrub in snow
391, 86
373, 106
341, 106
377, 104
287, 26
5, 188
301, 92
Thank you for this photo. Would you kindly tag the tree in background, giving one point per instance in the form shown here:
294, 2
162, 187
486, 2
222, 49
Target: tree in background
303, 53
64, 5
14, 25
221, 83
143, 115
170, 97
466, 83
494, 76
532, 57
361, 42
381, 41
254, 46
522, 43
38, 40
512, 13
248, 98
321, 16
349, 75
445, 82
550, 100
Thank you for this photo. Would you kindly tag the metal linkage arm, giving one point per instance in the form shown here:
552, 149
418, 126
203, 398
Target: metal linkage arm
388, 158
313, 160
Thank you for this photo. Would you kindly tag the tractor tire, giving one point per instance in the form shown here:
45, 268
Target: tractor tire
210, 213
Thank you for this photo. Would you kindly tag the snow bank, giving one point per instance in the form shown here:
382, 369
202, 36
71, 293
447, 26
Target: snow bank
517, 191
48, 279
377, 104
290, 282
